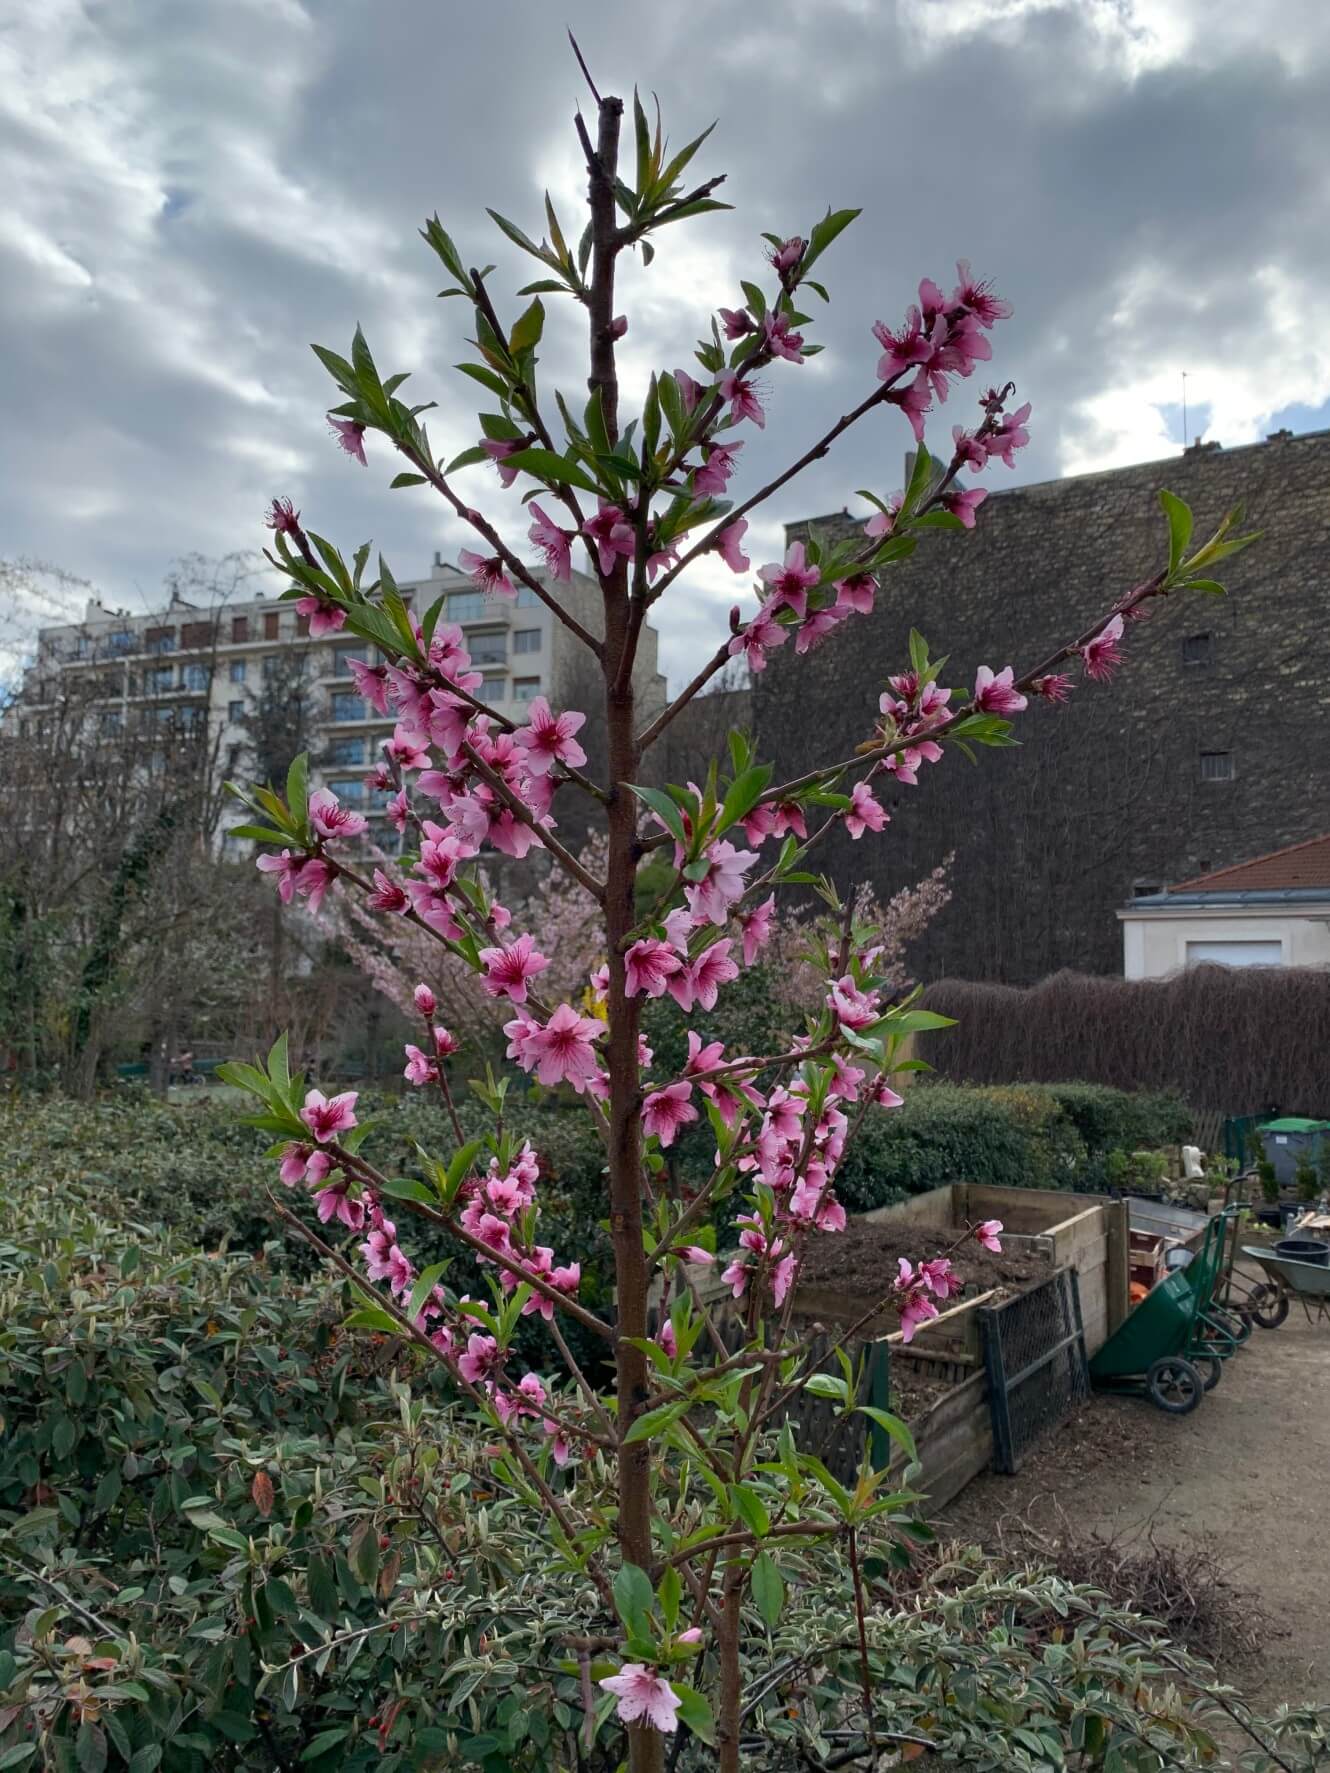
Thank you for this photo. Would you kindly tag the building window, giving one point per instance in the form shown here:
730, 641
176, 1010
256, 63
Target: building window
466, 606
239, 629
272, 664
194, 677
120, 642
525, 689
158, 679
526, 640
270, 625
346, 706
1216, 766
488, 649
342, 660
197, 634
111, 723
159, 640
348, 748
193, 720
238, 669
1196, 649
526, 598
235, 712
350, 790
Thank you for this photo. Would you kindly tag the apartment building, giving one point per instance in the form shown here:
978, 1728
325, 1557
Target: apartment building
205, 674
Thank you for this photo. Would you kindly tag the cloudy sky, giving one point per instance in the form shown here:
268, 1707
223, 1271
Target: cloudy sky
195, 189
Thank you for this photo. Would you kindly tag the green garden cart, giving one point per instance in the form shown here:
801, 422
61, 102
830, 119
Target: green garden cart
1149, 1352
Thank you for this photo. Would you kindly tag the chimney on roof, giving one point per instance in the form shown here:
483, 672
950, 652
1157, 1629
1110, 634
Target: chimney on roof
1202, 447
1283, 436
438, 559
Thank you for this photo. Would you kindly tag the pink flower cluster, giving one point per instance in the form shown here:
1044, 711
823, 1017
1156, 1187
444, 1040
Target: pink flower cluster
940, 338
788, 606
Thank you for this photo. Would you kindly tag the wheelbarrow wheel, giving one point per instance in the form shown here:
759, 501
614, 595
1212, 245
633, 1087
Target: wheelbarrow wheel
1210, 1367
1174, 1385
1269, 1306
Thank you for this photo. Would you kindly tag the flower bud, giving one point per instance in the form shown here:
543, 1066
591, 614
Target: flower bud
424, 999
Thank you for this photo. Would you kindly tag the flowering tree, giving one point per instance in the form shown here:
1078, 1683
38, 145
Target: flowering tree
670, 1486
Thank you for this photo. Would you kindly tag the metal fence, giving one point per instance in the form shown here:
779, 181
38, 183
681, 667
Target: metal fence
1035, 1362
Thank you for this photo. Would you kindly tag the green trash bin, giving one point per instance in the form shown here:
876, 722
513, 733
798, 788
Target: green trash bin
1292, 1141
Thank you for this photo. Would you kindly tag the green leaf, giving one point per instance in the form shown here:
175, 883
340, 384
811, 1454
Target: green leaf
768, 1589
893, 1425
834, 222
407, 1188
1179, 527
487, 377
338, 368
670, 1595
748, 1505
297, 790
459, 1168
742, 795
826, 1385
527, 328
279, 1069
655, 1421
90, 1748
15, 1757
633, 1597
516, 235
425, 1284
408, 480
325, 1740
695, 1711
661, 804
363, 1553
1211, 587
921, 475
259, 833
370, 1317
547, 465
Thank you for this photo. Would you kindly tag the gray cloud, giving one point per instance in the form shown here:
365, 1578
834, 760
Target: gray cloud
198, 191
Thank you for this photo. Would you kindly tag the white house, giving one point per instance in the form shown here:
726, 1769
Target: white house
1270, 912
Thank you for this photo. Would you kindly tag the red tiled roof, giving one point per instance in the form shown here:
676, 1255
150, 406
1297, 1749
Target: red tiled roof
1300, 865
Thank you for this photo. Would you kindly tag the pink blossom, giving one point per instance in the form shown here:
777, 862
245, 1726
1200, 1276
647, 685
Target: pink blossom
963, 502
779, 339
644, 1694
856, 594
488, 573
327, 1116
710, 899
852, 1007
690, 391
325, 616
498, 449
756, 928
917, 1309
508, 970
762, 635
388, 895
1010, 435
968, 451
481, 1357
997, 694
728, 544
939, 1277
742, 396
336, 1202
548, 738
398, 809
371, 682
788, 584
885, 1096
287, 869
864, 813
712, 969
987, 1234
737, 322
696, 1254
314, 879
665, 1111
736, 1277
667, 1339
816, 627
648, 966
1055, 686
424, 1000
782, 1276
377, 1249
915, 403
901, 350
330, 819
408, 749
301, 1163
883, 523
351, 435
787, 255
610, 535
446, 1042
563, 1051
619, 326
713, 476
282, 517
419, 1069
1102, 655
978, 297
553, 542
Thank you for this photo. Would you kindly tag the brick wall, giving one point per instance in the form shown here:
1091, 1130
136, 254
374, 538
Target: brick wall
1106, 793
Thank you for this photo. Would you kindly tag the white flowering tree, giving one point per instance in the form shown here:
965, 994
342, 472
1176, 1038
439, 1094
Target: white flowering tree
670, 1488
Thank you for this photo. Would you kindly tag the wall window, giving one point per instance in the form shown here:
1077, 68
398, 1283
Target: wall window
238, 669
111, 723
159, 640
1216, 766
526, 598
271, 621
466, 606
347, 748
346, 706
342, 657
1196, 649
197, 634
488, 649
1235, 954
120, 642
525, 689
239, 629
193, 720
526, 640
350, 790
194, 677
235, 712
158, 679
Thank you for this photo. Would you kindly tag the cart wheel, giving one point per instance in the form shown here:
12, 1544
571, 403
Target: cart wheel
1174, 1385
1210, 1367
1269, 1306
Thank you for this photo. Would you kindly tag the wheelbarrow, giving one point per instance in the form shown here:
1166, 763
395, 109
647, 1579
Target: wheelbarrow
1149, 1354
1308, 1282
1218, 1333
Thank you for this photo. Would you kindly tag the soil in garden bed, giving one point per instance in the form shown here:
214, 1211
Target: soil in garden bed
861, 1261
914, 1391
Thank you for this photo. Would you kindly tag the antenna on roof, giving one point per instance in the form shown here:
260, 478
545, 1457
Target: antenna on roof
1184, 409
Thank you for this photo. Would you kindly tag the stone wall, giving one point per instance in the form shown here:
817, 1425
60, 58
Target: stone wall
1105, 796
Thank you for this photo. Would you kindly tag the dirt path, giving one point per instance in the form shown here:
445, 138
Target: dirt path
1250, 1468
